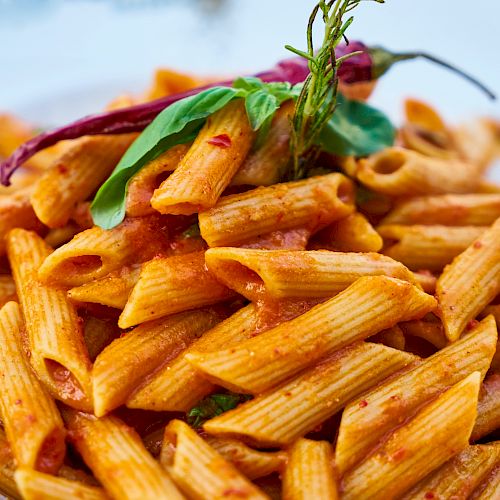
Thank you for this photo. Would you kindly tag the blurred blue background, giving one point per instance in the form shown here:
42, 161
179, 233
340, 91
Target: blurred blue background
62, 59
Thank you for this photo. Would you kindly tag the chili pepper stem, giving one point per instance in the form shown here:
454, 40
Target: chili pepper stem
405, 56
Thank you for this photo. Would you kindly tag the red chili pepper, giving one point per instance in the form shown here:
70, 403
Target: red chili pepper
221, 141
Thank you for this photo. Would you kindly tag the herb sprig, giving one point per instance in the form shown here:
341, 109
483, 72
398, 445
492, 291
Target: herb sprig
318, 98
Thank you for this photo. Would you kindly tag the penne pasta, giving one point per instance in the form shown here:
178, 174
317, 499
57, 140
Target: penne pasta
309, 472
392, 337
290, 411
427, 247
401, 172
58, 353
142, 186
31, 419
208, 167
438, 431
488, 408
117, 457
8, 485
251, 463
351, 234
267, 164
425, 131
16, 211
426, 280
489, 488
477, 142
112, 290
198, 470
447, 209
458, 477
94, 253
97, 334
7, 289
311, 203
177, 386
76, 175
284, 274
260, 363
366, 420
170, 285
470, 282
60, 235
35, 485
124, 364
167, 81
432, 331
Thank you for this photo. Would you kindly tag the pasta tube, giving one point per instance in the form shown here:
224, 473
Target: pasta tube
447, 209
311, 203
76, 175
7, 289
35, 485
488, 408
117, 457
251, 463
58, 353
282, 415
366, 420
260, 363
121, 366
283, 274
436, 433
16, 211
208, 167
427, 247
266, 165
489, 488
31, 419
177, 386
198, 470
94, 253
169, 285
7, 467
351, 234
142, 185
309, 472
112, 290
458, 477
401, 172
470, 282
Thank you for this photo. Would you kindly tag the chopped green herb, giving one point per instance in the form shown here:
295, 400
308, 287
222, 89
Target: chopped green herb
214, 405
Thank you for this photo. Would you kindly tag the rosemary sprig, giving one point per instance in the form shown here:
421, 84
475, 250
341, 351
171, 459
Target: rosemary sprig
318, 97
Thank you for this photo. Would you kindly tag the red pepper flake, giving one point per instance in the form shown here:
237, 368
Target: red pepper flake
363, 403
398, 454
429, 494
395, 397
472, 324
477, 244
221, 141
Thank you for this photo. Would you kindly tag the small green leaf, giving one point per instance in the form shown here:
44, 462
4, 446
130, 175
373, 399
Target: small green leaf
260, 107
177, 124
356, 129
248, 83
214, 405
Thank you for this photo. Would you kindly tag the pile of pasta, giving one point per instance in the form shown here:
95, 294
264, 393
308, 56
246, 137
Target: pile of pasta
355, 310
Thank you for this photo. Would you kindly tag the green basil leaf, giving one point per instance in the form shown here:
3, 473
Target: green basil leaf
177, 124
260, 107
248, 83
214, 405
356, 129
